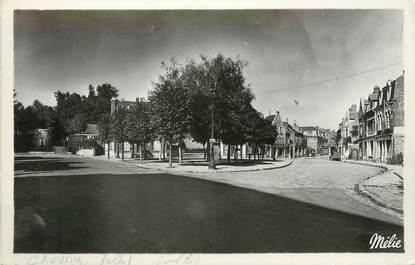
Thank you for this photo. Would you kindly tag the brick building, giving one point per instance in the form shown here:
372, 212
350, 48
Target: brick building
381, 122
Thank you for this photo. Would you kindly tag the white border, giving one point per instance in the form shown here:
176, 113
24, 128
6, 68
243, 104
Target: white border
6, 143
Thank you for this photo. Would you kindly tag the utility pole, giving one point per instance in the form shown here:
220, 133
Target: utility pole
212, 137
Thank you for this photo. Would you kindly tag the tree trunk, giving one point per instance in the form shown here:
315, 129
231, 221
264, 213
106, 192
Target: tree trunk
161, 150
108, 151
118, 149
170, 154
164, 149
180, 154
241, 153
207, 152
204, 150
122, 151
144, 150
141, 153
132, 150
229, 154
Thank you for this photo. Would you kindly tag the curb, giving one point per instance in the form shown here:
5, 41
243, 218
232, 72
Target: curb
212, 171
369, 165
399, 176
359, 188
375, 199
191, 171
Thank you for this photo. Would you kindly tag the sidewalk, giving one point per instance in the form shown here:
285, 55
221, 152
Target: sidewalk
385, 189
199, 166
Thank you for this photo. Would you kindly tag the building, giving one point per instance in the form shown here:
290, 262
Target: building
381, 122
41, 138
349, 135
314, 140
332, 142
290, 141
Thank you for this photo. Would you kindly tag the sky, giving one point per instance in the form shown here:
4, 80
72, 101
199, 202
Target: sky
68, 50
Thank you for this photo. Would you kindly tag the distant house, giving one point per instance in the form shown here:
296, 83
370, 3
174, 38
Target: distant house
90, 132
41, 138
290, 141
86, 143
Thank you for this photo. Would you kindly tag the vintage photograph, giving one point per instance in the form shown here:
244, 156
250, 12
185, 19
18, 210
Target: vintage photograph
209, 131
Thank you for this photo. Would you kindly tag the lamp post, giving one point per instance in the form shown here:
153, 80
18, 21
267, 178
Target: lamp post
212, 141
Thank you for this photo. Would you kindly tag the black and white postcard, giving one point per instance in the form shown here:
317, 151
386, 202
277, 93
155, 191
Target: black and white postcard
160, 134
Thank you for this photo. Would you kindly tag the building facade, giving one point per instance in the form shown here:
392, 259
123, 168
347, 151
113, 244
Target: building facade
41, 138
349, 127
290, 142
381, 122
314, 139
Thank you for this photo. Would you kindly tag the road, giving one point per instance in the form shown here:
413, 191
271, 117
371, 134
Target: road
83, 205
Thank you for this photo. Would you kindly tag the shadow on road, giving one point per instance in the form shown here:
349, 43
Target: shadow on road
163, 213
34, 164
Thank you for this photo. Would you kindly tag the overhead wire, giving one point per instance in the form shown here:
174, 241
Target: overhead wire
331, 79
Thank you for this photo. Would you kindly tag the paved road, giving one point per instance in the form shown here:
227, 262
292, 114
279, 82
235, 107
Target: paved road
319, 181
84, 205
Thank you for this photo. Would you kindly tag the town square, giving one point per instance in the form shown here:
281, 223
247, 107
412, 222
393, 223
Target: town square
216, 131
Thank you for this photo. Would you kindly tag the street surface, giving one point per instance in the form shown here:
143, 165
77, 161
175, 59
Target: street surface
74, 204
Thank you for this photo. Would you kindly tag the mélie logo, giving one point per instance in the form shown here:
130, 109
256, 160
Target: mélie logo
380, 242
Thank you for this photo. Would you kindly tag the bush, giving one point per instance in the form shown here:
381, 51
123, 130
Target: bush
76, 142
396, 159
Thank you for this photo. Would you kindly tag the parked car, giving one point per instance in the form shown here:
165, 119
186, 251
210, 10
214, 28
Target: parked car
335, 156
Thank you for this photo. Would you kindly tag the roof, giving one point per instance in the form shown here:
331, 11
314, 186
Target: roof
91, 128
270, 117
309, 128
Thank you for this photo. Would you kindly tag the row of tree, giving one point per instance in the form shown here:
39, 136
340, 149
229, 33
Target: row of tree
181, 102
70, 115
184, 101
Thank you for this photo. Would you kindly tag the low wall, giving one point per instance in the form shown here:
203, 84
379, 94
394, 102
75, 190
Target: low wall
86, 152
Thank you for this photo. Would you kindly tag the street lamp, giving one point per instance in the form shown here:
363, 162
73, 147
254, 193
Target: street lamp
212, 141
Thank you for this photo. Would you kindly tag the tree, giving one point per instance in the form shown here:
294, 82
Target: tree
219, 81
140, 127
119, 127
259, 132
171, 105
67, 107
105, 92
104, 129
77, 124
196, 77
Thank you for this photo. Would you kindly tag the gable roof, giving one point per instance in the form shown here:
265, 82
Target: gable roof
91, 128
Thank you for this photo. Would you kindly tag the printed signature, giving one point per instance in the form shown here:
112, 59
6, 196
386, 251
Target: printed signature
382, 242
